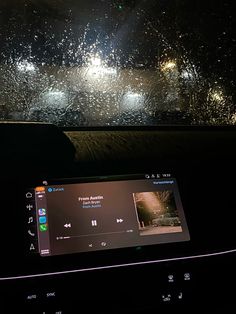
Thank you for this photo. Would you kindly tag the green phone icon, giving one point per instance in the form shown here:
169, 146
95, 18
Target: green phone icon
43, 227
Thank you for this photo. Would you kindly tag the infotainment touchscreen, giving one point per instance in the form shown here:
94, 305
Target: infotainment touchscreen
106, 213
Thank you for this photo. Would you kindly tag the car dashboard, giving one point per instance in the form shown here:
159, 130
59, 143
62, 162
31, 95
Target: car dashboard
117, 220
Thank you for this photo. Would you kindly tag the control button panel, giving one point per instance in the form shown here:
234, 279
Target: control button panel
30, 222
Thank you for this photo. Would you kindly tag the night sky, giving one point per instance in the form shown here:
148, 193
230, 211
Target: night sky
202, 27
131, 33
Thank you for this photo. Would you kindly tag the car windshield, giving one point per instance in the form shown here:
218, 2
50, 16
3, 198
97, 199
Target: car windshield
120, 62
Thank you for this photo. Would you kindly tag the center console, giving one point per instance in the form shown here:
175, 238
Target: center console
117, 238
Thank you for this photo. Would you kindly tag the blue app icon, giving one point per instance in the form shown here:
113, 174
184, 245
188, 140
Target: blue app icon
42, 220
50, 190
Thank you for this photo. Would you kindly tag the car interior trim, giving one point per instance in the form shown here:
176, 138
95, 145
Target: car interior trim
175, 259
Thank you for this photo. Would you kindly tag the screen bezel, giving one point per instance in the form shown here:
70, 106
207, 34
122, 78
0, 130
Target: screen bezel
148, 248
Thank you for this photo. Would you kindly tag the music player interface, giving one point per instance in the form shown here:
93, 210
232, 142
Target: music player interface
94, 216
